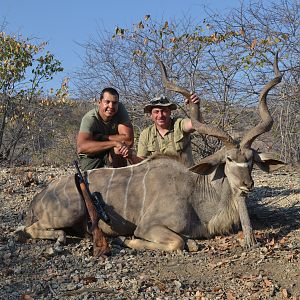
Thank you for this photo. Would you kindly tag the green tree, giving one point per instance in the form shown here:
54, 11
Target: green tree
24, 68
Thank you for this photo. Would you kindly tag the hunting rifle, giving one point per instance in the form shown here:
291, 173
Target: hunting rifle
95, 198
96, 212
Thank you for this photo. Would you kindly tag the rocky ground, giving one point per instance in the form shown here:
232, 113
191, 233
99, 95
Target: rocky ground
219, 269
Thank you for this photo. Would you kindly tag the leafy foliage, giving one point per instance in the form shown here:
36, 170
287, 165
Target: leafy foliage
23, 70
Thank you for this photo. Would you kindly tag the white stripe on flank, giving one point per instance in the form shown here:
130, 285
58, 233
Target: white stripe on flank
109, 184
54, 190
243, 165
126, 193
66, 194
145, 192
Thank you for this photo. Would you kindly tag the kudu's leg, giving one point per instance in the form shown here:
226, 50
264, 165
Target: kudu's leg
37, 231
157, 238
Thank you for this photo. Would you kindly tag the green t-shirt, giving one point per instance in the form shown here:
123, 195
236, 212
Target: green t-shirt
95, 125
175, 141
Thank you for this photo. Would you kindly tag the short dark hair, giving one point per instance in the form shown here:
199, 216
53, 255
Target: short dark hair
109, 90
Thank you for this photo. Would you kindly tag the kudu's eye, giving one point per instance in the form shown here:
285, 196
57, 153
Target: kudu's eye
229, 159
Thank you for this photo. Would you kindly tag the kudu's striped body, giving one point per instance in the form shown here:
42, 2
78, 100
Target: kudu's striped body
152, 200
160, 201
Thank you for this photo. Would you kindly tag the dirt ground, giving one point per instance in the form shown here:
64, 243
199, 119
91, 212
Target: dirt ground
220, 268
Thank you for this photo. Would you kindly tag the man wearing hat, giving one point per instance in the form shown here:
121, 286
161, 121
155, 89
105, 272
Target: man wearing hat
167, 135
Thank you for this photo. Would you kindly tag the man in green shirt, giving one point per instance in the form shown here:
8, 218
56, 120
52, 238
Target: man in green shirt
167, 135
105, 134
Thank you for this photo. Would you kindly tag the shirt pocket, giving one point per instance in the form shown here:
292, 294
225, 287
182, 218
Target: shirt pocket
152, 146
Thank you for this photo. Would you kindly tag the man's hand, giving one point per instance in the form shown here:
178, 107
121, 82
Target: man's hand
127, 153
121, 149
193, 98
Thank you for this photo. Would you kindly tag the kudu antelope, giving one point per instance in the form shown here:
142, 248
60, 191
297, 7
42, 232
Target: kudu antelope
160, 201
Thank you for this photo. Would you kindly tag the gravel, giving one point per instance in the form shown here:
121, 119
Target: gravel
219, 268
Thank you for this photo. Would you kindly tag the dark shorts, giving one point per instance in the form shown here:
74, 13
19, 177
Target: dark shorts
93, 162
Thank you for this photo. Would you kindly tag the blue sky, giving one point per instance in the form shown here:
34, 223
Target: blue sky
64, 23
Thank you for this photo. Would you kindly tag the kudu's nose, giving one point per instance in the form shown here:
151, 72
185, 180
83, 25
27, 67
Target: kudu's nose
249, 184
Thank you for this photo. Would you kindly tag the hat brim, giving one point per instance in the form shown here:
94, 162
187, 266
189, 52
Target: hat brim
148, 107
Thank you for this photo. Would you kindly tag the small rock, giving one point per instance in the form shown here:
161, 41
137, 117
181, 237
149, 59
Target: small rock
70, 286
108, 266
49, 251
7, 256
11, 244
18, 270
192, 245
177, 284
58, 248
7, 261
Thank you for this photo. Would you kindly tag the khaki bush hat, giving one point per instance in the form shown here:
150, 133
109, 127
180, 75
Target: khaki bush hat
159, 101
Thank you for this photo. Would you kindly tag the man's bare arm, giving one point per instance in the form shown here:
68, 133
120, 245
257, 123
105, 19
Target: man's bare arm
87, 144
125, 135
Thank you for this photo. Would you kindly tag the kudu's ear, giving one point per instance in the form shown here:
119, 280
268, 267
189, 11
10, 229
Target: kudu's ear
209, 164
267, 162
203, 168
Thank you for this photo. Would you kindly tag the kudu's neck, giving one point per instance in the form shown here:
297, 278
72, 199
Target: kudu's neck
211, 189
215, 203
